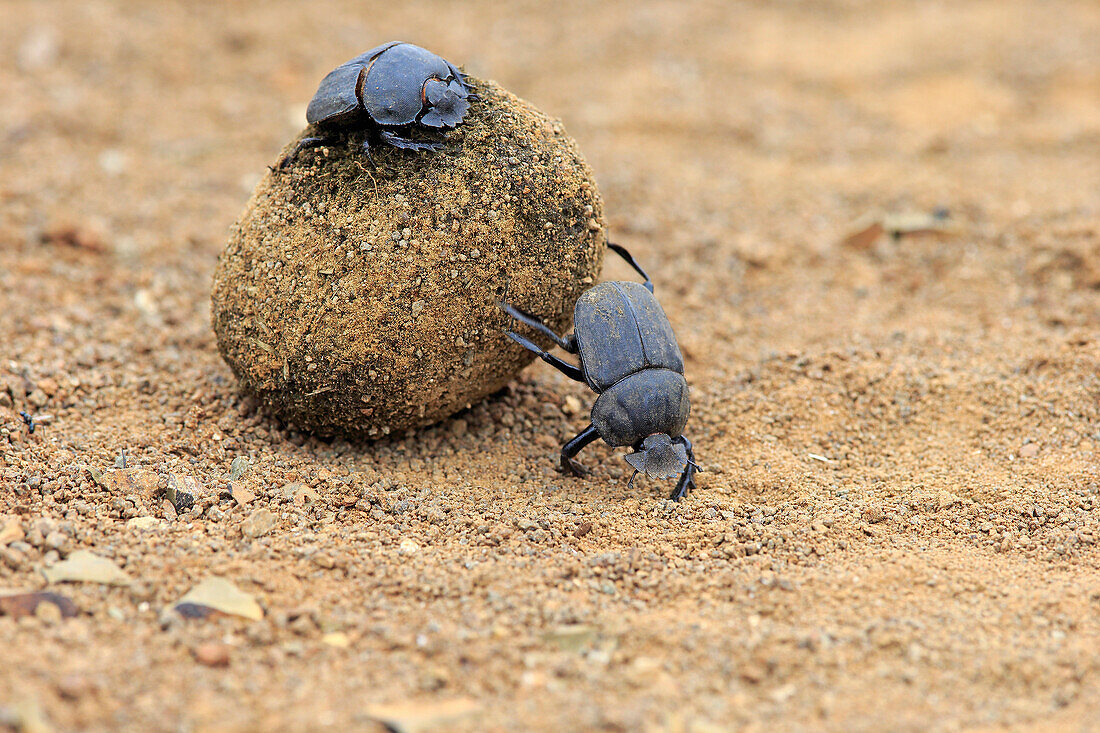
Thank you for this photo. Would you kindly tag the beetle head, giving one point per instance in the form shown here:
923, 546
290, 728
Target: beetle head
446, 101
659, 457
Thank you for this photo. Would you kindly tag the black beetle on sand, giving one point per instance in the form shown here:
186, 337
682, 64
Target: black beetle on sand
629, 356
391, 88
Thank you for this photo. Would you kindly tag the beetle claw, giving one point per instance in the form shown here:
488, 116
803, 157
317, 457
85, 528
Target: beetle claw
305, 142
568, 465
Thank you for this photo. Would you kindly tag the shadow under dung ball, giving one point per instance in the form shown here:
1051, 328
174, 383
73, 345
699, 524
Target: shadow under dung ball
358, 300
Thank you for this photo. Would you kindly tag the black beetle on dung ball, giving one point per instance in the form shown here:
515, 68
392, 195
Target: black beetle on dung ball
629, 356
393, 88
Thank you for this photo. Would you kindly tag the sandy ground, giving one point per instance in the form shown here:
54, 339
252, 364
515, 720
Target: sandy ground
898, 524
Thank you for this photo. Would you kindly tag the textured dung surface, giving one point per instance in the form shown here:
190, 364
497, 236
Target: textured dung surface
363, 300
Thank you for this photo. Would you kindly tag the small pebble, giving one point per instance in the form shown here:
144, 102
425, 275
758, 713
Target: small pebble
212, 654
259, 523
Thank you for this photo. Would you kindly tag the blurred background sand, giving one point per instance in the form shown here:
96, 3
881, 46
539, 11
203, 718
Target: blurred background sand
897, 529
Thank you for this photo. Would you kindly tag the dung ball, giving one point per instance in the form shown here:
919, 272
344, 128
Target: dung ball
361, 299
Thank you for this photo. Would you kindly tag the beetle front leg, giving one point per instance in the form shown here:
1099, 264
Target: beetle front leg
305, 142
687, 478
366, 149
621, 251
573, 447
392, 138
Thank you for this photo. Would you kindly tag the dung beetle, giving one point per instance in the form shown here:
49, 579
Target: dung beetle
629, 356
393, 88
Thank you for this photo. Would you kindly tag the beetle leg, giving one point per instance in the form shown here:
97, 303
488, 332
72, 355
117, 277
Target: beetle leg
621, 251
366, 149
566, 342
573, 447
687, 478
573, 372
397, 141
305, 142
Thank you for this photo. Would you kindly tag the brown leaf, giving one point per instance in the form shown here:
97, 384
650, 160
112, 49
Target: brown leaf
240, 494
25, 604
83, 566
76, 236
218, 595
419, 716
865, 237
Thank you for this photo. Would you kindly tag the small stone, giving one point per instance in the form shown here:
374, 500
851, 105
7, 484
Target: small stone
582, 529
407, 546
259, 523
183, 490
74, 686
144, 523
57, 541
38, 398
337, 639
238, 468
524, 524
48, 613
212, 654
572, 406
44, 525
571, 637
38, 50
323, 561
1029, 451
130, 482
10, 530
305, 495
13, 558
874, 514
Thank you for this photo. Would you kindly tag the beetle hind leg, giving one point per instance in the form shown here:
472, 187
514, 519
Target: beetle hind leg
687, 478
568, 343
573, 372
573, 447
392, 138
